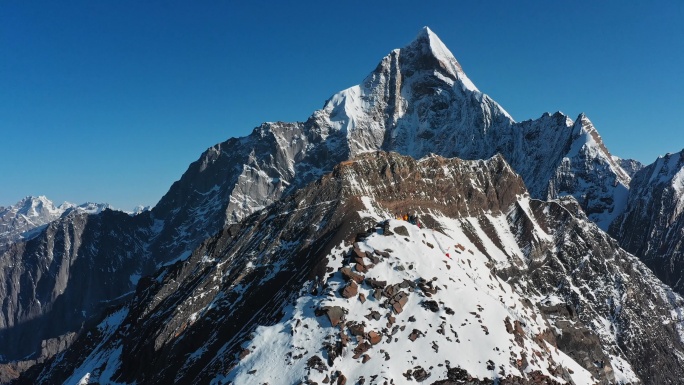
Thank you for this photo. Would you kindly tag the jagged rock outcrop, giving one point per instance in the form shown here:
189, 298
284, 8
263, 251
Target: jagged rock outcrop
652, 227
548, 294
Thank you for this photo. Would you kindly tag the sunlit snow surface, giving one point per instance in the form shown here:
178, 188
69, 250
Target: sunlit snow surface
473, 308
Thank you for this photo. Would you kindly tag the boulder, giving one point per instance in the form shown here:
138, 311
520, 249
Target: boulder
373, 315
397, 308
341, 380
315, 362
375, 284
427, 287
361, 348
357, 329
415, 333
401, 230
433, 306
386, 229
348, 275
374, 337
351, 290
419, 374
344, 339
398, 301
390, 291
335, 314
358, 252
244, 354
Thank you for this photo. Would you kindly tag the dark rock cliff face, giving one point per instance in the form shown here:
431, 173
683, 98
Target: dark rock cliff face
652, 227
186, 323
52, 284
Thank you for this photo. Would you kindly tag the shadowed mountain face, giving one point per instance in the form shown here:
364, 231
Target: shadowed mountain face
53, 283
532, 288
652, 227
417, 101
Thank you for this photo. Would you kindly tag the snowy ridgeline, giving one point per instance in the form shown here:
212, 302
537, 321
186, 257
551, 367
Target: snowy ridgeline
28, 217
411, 304
417, 314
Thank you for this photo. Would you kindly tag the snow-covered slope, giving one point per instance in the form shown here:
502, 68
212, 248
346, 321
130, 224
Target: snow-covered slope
417, 315
652, 227
530, 292
26, 217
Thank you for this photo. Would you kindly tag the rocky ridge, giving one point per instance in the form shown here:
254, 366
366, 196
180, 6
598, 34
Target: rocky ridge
557, 296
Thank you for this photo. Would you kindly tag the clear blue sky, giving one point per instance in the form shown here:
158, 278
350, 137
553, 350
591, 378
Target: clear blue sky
110, 101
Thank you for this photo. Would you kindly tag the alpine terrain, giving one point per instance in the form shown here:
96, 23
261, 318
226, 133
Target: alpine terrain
251, 268
321, 287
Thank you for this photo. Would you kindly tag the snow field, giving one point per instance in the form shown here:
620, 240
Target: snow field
467, 330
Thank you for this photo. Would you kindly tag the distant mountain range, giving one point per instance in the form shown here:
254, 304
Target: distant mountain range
242, 272
22, 220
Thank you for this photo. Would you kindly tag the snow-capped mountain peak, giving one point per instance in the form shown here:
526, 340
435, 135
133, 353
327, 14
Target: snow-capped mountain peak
429, 44
427, 51
17, 221
35, 206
